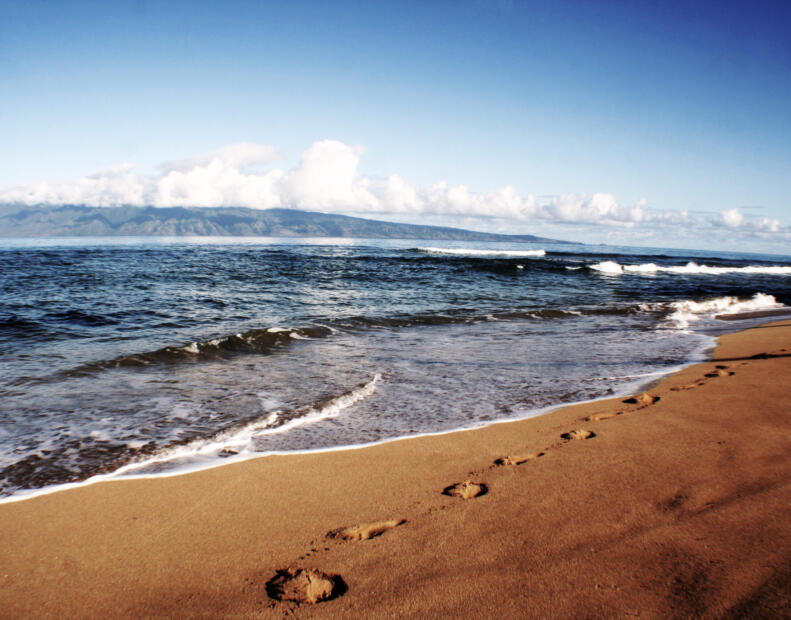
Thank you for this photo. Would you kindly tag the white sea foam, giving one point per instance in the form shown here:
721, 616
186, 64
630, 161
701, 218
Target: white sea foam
611, 267
607, 266
474, 252
687, 311
239, 442
196, 347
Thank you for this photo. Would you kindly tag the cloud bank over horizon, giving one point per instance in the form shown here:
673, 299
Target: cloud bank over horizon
326, 179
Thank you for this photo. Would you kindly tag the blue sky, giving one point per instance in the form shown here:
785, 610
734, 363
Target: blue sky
658, 123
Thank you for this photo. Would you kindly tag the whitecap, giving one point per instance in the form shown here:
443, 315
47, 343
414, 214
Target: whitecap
608, 267
691, 268
474, 252
688, 311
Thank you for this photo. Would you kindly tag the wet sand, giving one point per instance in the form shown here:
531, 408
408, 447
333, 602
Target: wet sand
672, 504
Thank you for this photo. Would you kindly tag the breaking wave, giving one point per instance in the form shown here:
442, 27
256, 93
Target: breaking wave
239, 442
685, 312
254, 341
474, 252
233, 444
691, 268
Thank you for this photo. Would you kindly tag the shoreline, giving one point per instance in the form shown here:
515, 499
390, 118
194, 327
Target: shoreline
675, 506
118, 476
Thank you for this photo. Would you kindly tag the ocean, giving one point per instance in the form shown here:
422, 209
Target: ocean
124, 357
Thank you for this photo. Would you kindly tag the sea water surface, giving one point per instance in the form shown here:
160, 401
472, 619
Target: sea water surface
148, 356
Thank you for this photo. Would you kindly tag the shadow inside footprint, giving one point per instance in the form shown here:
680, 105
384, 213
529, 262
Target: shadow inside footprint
644, 400
466, 490
719, 372
300, 585
366, 531
518, 460
673, 503
578, 434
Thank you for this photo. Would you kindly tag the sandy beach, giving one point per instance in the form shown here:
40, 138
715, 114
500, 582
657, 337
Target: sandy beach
671, 504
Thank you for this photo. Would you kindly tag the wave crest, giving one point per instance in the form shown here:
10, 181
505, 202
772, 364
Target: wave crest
474, 252
239, 442
691, 268
686, 312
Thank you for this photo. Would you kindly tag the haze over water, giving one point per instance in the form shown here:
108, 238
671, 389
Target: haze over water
148, 355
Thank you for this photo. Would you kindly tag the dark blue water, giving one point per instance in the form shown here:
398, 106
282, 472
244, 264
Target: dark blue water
164, 355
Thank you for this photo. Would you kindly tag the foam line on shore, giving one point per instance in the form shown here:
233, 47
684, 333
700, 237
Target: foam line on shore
697, 356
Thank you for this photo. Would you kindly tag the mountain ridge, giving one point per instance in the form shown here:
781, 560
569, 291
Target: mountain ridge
87, 221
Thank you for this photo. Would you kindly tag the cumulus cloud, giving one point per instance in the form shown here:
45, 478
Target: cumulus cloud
598, 209
242, 155
735, 220
106, 188
732, 218
327, 178
215, 184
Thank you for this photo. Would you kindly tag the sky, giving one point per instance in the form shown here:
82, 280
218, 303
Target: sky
662, 124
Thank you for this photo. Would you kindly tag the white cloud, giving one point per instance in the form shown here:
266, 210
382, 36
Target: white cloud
598, 209
241, 155
770, 225
117, 185
732, 218
327, 178
216, 184
398, 196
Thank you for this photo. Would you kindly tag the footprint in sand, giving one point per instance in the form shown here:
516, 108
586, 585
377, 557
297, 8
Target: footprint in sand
673, 503
366, 531
518, 460
304, 586
597, 417
688, 386
643, 400
465, 490
719, 371
578, 434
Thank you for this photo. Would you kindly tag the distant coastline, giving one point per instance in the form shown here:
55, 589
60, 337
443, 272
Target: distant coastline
87, 221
